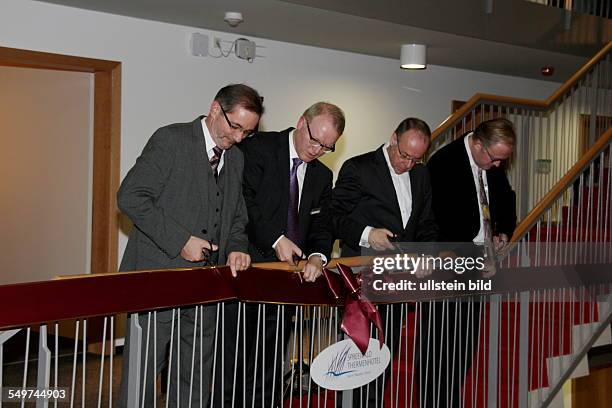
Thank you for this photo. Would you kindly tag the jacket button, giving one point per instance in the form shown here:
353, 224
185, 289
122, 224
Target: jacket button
204, 231
216, 210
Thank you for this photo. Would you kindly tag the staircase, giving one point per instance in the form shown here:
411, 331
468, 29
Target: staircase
566, 219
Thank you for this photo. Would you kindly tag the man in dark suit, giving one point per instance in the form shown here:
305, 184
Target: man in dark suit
287, 191
456, 170
184, 196
473, 203
385, 196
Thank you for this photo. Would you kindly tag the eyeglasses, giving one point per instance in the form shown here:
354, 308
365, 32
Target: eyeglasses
406, 156
315, 142
493, 159
234, 126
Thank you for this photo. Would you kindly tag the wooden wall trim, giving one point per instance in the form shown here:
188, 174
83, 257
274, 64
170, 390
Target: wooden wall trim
106, 142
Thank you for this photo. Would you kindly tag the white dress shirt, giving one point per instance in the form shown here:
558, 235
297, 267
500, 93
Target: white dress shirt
403, 193
209, 146
475, 169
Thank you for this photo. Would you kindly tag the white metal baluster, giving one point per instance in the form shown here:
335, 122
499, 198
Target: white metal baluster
477, 368
25, 362
321, 310
313, 317
74, 362
263, 354
551, 333
215, 351
259, 318
178, 351
329, 335
514, 347
155, 359
102, 363
548, 237
417, 316
245, 358
292, 359
600, 190
455, 354
281, 384
110, 365
388, 334
193, 355
301, 355
589, 224
56, 367
84, 361
276, 341
171, 355
201, 385
578, 219
542, 360
146, 361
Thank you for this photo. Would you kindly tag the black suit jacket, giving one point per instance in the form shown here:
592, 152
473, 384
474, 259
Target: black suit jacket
266, 193
454, 195
364, 196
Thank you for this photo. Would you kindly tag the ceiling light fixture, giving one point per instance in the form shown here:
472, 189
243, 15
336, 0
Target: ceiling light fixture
413, 56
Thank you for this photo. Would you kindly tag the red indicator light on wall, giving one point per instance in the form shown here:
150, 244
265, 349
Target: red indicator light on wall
547, 71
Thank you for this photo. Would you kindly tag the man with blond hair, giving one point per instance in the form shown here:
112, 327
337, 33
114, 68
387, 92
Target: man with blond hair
287, 191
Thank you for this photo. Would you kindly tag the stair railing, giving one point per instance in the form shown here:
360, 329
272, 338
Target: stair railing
552, 134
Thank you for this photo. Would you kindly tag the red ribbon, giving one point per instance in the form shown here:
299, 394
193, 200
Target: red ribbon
358, 311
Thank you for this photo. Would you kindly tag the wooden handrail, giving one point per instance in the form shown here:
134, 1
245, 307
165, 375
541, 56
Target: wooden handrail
559, 188
480, 97
354, 261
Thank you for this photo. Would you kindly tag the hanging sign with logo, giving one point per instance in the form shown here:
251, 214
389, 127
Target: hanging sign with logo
342, 366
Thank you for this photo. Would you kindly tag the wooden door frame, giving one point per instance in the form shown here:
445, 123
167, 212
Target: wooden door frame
106, 142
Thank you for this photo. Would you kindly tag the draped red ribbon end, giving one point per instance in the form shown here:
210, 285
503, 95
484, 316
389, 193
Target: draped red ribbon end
358, 311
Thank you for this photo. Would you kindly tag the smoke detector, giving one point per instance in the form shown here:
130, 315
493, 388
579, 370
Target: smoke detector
233, 18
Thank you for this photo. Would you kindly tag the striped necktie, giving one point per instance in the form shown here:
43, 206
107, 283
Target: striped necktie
215, 160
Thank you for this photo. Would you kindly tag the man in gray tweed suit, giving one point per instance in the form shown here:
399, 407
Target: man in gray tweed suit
184, 196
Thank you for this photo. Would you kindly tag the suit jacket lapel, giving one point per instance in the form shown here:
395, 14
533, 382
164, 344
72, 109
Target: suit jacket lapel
202, 165
283, 166
465, 167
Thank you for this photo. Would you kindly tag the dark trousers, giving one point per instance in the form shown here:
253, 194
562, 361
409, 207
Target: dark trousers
371, 395
250, 358
447, 339
186, 384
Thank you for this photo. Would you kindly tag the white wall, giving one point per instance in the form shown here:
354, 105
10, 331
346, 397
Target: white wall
162, 83
45, 205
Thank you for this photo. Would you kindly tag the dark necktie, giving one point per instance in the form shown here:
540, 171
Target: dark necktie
215, 160
484, 205
293, 229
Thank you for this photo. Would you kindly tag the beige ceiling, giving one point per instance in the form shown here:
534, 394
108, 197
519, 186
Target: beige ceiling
517, 38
